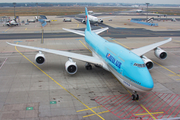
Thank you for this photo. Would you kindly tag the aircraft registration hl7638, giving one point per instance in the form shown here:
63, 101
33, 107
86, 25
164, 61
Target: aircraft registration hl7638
129, 67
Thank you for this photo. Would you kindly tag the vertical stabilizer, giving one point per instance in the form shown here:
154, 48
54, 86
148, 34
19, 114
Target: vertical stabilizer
88, 27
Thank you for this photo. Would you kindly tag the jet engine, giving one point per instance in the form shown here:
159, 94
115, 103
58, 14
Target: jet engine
83, 21
40, 58
71, 67
159, 53
101, 21
148, 62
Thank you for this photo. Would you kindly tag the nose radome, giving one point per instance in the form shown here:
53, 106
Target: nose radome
149, 84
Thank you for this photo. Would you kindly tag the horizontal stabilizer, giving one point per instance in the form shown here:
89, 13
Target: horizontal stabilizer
98, 31
75, 31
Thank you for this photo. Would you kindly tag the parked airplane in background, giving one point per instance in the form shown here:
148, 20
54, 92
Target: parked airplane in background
139, 11
129, 67
12, 23
92, 19
90, 12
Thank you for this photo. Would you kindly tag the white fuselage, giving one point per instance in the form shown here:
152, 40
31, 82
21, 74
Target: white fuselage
93, 19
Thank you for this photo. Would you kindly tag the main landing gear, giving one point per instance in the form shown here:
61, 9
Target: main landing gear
135, 96
88, 66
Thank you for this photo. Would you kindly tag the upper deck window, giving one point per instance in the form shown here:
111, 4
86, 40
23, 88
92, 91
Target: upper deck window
139, 65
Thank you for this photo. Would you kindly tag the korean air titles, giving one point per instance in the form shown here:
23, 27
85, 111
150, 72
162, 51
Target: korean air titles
113, 60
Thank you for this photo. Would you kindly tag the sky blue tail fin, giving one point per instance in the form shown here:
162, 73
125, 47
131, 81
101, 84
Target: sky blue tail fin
88, 27
43, 22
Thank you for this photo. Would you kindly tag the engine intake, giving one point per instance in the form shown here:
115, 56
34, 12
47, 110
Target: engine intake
40, 58
101, 21
71, 67
83, 21
159, 53
148, 62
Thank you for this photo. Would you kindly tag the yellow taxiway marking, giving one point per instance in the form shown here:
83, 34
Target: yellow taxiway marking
147, 113
121, 44
84, 45
59, 84
97, 113
174, 75
26, 29
166, 69
77, 24
7, 29
88, 109
126, 89
160, 66
137, 100
130, 92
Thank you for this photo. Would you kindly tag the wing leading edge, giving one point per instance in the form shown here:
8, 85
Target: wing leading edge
98, 31
84, 58
142, 50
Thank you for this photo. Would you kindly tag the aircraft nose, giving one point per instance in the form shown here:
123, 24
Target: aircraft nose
148, 83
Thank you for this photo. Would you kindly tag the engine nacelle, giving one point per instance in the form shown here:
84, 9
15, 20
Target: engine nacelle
83, 21
159, 53
148, 62
71, 67
101, 21
40, 58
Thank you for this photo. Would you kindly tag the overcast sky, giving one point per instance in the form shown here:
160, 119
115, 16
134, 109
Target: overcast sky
100, 1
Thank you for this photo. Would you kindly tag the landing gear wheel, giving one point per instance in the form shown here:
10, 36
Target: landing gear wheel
133, 97
137, 97
88, 66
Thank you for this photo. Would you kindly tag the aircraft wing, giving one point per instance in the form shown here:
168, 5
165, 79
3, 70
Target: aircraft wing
142, 50
75, 31
100, 30
84, 58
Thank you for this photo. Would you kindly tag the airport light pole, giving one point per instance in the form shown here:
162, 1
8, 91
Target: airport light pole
37, 10
14, 10
147, 11
42, 39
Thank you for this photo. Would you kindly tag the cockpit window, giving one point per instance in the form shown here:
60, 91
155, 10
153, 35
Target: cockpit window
139, 65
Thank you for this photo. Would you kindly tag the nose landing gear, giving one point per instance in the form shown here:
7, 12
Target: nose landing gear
135, 96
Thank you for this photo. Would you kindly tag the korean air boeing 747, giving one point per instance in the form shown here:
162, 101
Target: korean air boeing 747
129, 67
